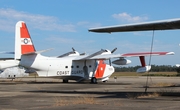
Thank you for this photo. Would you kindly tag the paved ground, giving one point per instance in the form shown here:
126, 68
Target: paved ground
126, 93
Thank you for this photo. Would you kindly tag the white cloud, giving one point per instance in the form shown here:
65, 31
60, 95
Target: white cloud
8, 18
129, 18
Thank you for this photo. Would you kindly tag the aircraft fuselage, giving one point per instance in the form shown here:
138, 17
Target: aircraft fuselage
67, 68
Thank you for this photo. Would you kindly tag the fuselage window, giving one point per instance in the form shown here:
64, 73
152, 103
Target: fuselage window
77, 66
89, 66
66, 66
72, 66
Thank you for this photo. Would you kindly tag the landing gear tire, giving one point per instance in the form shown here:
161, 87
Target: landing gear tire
94, 80
65, 81
105, 81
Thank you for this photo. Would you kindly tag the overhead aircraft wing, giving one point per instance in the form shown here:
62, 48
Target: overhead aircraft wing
6, 52
6, 58
170, 24
109, 56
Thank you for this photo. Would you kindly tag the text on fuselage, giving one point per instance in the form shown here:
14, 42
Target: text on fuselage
68, 72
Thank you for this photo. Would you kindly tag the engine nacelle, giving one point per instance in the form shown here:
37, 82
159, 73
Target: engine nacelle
143, 69
122, 61
106, 52
74, 53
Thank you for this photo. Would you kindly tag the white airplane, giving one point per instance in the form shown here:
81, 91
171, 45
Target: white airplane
71, 66
13, 72
7, 62
9, 68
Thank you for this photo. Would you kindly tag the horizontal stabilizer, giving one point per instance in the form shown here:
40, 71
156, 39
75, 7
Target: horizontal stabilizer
38, 52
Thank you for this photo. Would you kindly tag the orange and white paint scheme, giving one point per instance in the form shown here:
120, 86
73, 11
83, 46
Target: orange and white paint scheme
72, 65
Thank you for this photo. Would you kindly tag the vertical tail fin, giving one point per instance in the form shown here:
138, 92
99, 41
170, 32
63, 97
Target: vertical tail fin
23, 42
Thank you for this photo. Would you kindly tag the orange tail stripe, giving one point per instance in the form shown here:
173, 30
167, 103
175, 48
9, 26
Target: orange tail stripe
27, 49
24, 31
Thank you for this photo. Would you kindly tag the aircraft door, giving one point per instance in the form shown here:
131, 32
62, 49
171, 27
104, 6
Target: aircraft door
85, 70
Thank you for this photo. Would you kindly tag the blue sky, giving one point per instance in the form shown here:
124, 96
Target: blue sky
63, 24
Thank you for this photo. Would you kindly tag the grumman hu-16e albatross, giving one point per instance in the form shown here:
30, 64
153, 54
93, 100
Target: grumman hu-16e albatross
71, 66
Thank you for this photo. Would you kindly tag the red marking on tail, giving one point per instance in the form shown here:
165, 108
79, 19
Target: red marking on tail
24, 31
26, 45
142, 59
100, 69
27, 49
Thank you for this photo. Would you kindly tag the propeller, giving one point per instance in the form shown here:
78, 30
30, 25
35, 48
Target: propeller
68, 53
80, 54
73, 49
114, 50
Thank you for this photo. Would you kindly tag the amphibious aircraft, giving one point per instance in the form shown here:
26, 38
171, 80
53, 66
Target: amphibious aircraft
72, 65
9, 68
7, 62
13, 72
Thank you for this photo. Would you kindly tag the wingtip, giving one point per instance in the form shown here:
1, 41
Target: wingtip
170, 53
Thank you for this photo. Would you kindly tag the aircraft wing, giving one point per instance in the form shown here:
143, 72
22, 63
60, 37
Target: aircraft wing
109, 56
6, 52
6, 58
145, 26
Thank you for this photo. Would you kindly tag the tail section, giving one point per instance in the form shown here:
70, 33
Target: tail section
23, 42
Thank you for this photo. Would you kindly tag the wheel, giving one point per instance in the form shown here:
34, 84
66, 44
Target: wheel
105, 81
65, 81
93, 80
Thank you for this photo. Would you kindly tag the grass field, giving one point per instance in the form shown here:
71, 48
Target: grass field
144, 74
167, 74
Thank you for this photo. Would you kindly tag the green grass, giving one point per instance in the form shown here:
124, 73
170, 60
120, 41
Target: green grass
144, 74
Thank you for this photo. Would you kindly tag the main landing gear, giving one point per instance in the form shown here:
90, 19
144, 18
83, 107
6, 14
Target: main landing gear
93, 80
65, 81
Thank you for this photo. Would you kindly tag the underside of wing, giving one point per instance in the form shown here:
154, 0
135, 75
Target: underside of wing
146, 54
6, 52
109, 56
145, 26
103, 57
6, 58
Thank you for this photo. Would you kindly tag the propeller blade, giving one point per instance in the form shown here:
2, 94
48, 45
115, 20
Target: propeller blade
73, 49
113, 50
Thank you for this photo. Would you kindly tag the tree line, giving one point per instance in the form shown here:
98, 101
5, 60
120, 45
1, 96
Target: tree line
154, 68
